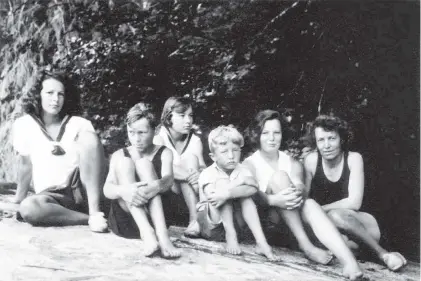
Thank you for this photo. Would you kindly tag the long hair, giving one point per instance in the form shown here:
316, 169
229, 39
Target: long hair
255, 128
332, 123
71, 106
177, 104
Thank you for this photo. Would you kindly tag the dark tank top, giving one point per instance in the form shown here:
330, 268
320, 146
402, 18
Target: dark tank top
325, 191
156, 160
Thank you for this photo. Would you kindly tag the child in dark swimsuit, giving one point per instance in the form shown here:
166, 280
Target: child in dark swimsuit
138, 175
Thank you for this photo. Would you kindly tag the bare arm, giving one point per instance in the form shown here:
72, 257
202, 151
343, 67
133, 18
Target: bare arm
355, 185
111, 186
24, 178
113, 189
310, 163
242, 187
167, 177
202, 164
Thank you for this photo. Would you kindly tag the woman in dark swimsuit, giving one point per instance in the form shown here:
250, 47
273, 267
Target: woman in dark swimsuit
138, 175
335, 177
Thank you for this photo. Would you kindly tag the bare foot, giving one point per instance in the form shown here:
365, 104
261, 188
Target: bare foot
317, 255
168, 250
232, 243
352, 272
192, 230
151, 247
266, 250
394, 261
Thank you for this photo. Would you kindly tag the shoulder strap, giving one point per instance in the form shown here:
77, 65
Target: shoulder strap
126, 152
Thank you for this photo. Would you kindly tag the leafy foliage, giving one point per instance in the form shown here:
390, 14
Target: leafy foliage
234, 58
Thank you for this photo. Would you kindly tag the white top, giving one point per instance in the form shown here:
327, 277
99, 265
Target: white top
264, 171
190, 148
212, 174
47, 169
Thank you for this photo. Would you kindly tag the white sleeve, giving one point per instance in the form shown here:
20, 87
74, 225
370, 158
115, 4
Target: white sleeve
86, 126
21, 136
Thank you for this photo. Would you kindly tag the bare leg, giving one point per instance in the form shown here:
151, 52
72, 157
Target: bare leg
230, 234
43, 210
190, 196
250, 215
329, 235
292, 218
157, 214
126, 174
349, 222
146, 172
92, 172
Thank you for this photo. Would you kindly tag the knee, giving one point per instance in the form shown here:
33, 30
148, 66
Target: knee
145, 169
341, 218
144, 164
221, 183
190, 161
279, 180
30, 210
309, 205
88, 140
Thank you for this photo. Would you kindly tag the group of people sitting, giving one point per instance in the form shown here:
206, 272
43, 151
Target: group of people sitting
318, 199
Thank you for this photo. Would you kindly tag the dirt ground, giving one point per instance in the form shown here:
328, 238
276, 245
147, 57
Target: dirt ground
75, 253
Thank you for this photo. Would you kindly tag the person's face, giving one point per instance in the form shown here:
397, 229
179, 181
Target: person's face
52, 96
328, 143
226, 156
271, 136
182, 122
140, 134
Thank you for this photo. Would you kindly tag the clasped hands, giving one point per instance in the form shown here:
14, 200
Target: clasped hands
289, 198
139, 193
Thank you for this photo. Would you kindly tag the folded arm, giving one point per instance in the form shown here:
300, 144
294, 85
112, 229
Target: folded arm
355, 185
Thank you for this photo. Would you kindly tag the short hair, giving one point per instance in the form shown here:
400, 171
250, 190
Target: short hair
227, 133
332, 123
255, 128
139, 111
177, 104
31, 103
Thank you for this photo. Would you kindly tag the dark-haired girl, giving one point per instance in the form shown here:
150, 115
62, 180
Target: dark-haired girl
60, 153
280, 180
176, 133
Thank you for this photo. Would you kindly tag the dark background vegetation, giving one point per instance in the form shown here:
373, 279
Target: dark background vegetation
357, 59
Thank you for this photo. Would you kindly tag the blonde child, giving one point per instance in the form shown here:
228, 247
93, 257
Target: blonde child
226, 188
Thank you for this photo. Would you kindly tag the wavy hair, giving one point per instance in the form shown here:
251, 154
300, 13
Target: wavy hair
71, 106
255, 128
332, 123
174, 104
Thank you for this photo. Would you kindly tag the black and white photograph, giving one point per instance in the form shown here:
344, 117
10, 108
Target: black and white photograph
209, 140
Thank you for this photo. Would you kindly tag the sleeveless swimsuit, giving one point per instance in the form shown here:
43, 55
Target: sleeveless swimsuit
325, 191
122, 223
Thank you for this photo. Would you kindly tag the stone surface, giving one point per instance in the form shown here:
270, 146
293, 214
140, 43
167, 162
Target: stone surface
75, 253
